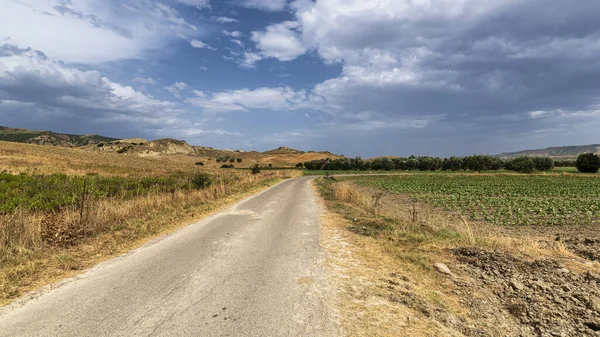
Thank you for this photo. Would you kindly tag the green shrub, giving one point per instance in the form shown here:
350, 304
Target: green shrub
588, 163
239, 160
523, 165
255, 169
543, 163
200, 163
299, 165
122, 150
201, 180
231, 159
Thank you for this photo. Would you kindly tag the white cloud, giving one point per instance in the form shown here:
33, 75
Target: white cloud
176, 88
24, 70
273, 99
89, 31
235, 34
224, 19
200, 45
280, 41
249, 60
267, 5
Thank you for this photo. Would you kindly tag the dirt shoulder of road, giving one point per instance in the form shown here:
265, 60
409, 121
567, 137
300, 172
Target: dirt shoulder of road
402, 269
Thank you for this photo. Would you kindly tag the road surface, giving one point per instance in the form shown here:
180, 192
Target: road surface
253, 270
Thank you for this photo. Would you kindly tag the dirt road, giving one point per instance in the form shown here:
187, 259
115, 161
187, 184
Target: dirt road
255, 269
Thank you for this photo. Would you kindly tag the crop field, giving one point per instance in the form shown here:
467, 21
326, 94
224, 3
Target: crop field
502, 199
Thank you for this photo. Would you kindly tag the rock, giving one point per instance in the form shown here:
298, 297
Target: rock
442, 268
594, 304
516, 285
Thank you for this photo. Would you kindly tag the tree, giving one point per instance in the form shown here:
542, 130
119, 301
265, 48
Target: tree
588, 163
543, 163
523, 165
255, 169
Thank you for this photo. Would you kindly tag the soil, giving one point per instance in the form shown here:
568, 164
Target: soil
544, 296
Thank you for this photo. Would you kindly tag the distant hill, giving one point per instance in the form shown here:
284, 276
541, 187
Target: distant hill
283, 150
556, 152
49, 138
172, 148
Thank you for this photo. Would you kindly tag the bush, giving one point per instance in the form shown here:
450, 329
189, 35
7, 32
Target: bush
523, 165
255, 169
299, 165
239, 160
227, 166
231, 160
588, 163
122, 150
543, 163
101, 145
199, 163
201, 180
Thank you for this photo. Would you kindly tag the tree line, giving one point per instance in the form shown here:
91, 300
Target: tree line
426, 163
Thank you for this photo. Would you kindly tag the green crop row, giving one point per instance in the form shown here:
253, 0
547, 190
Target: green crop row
502, 199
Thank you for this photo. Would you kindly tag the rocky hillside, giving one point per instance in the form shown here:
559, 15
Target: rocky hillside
144, 148
49, 138
558, 152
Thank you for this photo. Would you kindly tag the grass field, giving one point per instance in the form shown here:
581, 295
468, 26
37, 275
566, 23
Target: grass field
502, 199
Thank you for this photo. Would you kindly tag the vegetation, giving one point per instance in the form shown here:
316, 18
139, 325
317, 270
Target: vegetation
238, 159
472, 163
49, 138
588, 163
255, 169
502, 199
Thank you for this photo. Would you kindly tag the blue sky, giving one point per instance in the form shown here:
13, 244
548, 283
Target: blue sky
358, 77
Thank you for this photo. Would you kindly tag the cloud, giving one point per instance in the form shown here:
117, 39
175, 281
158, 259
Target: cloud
224, 19
89, 31
176, 88
29, 77
280, 41
39, 92
272, 99
266, 5
200, 45
249, 59
235, 34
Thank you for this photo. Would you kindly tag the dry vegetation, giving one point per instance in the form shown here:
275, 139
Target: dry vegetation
383, 249
39, 244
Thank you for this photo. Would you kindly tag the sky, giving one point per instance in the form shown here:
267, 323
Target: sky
355, 77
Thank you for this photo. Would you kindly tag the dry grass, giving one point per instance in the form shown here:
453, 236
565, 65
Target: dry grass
382, 249
38, 248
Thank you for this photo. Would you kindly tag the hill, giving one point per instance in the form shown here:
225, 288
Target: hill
168, 149
283, 150
49, 138
555, 152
